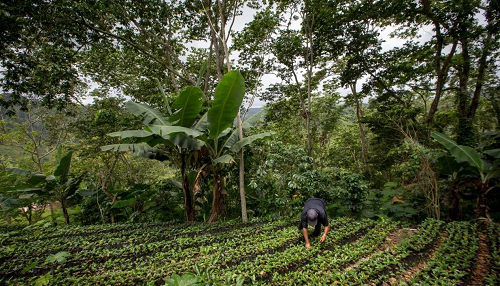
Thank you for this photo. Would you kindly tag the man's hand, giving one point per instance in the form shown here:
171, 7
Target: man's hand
308, 245
323, 238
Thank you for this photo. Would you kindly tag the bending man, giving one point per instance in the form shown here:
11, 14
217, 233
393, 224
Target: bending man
314, 211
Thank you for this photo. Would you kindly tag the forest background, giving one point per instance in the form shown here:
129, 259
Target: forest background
407, 131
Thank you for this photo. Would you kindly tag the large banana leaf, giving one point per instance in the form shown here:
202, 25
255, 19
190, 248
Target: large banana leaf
134, 148
247, 124
34, 178
62, 168
495, 153
462, 153
151, 115
171, 130
202, 124
184, 141
225, 159
227, 100
18, 171
248, 140
142, 150
188, 104
252, 120
130, 133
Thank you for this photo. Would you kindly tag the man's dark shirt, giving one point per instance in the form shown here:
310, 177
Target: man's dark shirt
317, 204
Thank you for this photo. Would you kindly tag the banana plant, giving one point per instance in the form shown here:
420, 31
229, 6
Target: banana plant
211, 136
59, 185
176, 132
484, 168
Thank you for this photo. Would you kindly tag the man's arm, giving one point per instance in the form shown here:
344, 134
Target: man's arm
323, 238
306, 237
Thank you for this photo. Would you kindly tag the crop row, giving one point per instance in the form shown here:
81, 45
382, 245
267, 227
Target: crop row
142, 257
450, 261
494, 237
388, 261
130, 249
18, 247
336, 258
260, 253
291, 257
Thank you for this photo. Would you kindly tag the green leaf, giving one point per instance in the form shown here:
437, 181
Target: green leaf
202, 124
142, 150
36, 179
249, 140
462, 153
124, 203
188, 104
43, 280
130, 133
58, 257
151, 115
254, 119
166, 131
18, 171
226, 159
86, 193
134, 148
227, 100
62, 169
187, 279
29, 267
184, 141
495, 153
232, 139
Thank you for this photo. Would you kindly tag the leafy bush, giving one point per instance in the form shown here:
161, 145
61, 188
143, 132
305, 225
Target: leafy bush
348, 193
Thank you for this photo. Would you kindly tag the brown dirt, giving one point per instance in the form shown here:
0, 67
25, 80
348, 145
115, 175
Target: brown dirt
480, 269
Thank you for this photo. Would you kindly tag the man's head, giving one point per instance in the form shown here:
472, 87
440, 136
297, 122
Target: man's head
312, 217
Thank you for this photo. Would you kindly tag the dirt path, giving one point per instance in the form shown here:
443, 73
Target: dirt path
480, 269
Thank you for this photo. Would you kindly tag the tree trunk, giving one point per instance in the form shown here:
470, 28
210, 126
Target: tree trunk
65, 211
188, 200
481, 204
465, 134
244, 216
359, 114
52, 213
455, 208
215, 212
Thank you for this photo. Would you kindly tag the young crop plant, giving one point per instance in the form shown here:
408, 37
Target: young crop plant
381, 263
493, 277
262, 252
452, 259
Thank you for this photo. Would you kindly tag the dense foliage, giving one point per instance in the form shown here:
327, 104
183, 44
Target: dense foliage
383, 108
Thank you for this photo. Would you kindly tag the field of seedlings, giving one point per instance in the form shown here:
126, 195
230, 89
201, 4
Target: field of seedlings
356, 252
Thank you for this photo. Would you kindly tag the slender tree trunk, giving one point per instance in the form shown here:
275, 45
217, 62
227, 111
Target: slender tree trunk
359, 114
440, 68
455, 208
52, 213
188, 200
309, 59
65, 211
465, 128
244, 216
